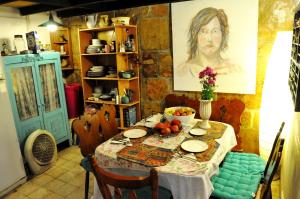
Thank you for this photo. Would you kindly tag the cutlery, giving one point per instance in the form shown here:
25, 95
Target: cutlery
125, 141
178, 154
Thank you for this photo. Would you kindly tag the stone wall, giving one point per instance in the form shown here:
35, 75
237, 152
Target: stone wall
154, 26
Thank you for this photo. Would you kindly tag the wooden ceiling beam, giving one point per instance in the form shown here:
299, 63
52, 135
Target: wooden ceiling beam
89, 6
37, 8
61, 3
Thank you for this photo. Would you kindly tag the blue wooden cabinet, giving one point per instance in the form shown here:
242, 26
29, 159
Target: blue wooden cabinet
36, 94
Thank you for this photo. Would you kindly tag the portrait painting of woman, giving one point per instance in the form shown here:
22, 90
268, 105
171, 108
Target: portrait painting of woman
207, 41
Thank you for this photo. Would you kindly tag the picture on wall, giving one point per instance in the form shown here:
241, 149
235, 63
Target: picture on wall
221, 34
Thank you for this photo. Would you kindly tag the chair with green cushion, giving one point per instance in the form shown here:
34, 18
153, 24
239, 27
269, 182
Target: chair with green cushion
236, 184
249, 162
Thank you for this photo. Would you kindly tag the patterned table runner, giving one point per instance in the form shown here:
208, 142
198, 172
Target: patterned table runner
155, 151
205, 155
215, 132
147, 155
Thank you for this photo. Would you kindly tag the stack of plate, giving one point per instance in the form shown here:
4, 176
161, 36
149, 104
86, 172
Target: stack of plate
96, 71
93, 49
97, 68
96, 42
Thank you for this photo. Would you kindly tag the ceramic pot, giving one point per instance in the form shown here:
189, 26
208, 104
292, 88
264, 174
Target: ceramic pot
103, 21
91, 20
205, 113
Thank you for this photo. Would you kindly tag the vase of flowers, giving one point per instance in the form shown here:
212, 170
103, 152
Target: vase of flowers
207, 79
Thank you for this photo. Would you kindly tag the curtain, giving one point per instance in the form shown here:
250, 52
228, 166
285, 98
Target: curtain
23, 86
49, 87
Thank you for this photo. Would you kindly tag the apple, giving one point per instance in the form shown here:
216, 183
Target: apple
165, 131
160, 125
177, 113
175, 129
176, 122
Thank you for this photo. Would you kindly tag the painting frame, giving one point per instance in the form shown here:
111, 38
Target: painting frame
236, 68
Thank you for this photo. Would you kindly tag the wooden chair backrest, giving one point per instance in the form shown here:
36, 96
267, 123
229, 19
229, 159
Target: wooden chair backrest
87, 129
223, 110
274, 148
105, 178
107, 117
274, 161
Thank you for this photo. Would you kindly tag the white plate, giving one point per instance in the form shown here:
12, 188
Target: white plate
198, 131
194, 146
135, 133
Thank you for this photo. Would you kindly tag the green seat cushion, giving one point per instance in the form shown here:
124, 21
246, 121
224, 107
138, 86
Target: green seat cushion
145, 193
230, 184
247, 163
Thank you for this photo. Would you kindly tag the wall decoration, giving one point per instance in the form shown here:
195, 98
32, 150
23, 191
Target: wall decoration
221, 34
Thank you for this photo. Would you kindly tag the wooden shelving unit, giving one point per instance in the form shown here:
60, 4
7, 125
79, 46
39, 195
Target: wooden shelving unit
121, 61
60, 39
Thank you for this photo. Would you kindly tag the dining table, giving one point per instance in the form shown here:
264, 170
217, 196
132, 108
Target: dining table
185, 161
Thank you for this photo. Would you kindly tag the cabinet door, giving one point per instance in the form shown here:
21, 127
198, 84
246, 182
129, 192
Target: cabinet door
22, 84
52, 98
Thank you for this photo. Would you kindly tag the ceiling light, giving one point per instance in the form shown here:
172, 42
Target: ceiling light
51, 25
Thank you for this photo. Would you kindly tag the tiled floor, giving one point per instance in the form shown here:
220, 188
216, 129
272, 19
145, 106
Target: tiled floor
66, 180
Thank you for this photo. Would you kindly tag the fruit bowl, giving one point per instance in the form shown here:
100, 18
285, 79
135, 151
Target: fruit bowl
184, 114
167, 128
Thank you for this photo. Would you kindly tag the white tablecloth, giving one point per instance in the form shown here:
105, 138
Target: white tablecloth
189, 182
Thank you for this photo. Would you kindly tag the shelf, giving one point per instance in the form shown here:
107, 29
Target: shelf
129, 79
60, 43
67, 68
111, 102
106, 28
102, 78
110, 78
113, 53
92, 54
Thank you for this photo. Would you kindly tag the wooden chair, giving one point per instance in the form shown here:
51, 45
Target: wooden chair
131, 183
223, 110
232, 184
107, 118
87, 129
266, 192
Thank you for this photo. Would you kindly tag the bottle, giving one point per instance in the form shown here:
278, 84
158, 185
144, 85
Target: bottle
117, 99
122, 47
19, 43
127, 42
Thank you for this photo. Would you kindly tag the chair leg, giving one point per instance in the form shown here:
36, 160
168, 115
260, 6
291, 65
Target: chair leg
87, 179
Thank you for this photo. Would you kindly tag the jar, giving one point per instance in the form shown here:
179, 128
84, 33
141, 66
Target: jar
19, 43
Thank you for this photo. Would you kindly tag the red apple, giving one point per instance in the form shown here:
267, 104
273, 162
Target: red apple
165, 131
175, 129
176, 113
160, 125
176, 122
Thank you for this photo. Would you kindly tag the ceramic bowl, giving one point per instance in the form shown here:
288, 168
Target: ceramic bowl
188, 114
120, 20
97, 95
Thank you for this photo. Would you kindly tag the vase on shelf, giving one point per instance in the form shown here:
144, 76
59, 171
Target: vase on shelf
205, 112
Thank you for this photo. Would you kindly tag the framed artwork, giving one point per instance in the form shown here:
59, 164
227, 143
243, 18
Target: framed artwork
221, 34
